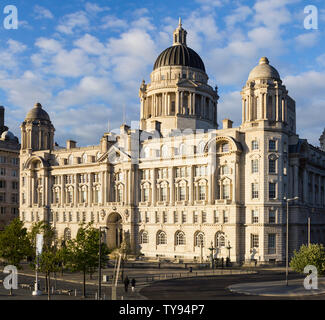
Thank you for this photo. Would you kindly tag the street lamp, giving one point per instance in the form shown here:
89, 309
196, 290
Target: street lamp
229, 247
211, 255
287, 236
99, 264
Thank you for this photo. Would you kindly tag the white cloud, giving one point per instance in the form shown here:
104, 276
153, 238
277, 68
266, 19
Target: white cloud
90, 44
307, 39
95, 8
70, 22
240, 14
42, 13
112, 22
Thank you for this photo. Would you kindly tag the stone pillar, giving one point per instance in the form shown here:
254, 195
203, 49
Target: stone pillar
265, 105
296, 180
168, 104
172, 186
243, 110
182, 103
202, 107
177, 103
190, 198
277, 111
154, 187
313, 188
305, 186
76, 191
193, 110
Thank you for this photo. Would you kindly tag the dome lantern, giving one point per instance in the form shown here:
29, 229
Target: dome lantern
179, 35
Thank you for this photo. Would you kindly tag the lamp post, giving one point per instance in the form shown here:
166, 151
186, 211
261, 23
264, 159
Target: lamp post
211, 255
99, 264
287, 237
229, 247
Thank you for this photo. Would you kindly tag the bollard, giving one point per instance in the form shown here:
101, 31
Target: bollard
75, 292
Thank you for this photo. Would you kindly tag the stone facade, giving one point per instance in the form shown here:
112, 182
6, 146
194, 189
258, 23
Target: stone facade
9, 174
174, 184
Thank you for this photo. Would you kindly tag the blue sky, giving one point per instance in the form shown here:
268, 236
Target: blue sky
85, 60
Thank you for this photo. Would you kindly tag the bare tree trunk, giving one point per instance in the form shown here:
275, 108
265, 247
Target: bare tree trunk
46, 282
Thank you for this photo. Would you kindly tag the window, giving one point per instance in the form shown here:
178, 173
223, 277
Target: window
225, 169
195, 217
220, 240
271, 243
14, 173
182, 193
164, 217
164, 194
15, 161
254, 145
272, 145
226, 190
3, 159
146, 216
225, 147
272, 189
204, 217
254, 190
225, 217
254, 216
2, 183
2, 197
272, 165
146, 195
201, 147
164, 151
199, 240
157, 217
2, 171
2, 210
272, 216
254, 165
161, 238
182, 149
254, 241
183, 217
175, 217
15, 185
144, 237
180, 238
84, 216
202, 192
120, 194
216, 216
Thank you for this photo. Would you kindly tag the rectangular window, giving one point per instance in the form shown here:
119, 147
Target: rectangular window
2, 183
204, 217
14, 211
15, 161
254, 165
147, 216
195, 217
157, 217
183, 217
216, 216
175, 217
272, 216
254, 216
146, 195
272, 145
3, 159
182, 194
201, 192
14, 173
15, 185
225, 217
3, 210
78, 217
255, 190
2, 171
254, 145
272, 243
226, 191
254, 241
272, 166
164, 217
2, 197
272, 189
164, 194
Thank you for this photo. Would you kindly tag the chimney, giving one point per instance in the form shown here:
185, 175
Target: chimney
227, 124
156, 126
71, 144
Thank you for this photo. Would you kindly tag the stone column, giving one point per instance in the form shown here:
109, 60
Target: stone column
168, 104
313, 188
76, 191
296, 180
305, 186
243, 110
190, 198
172, 186
177, 103
193, 110
265, 105
154, 187
182, 103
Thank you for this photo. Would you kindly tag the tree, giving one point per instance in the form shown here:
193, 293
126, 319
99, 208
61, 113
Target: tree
49, 261
313, 254
14, 244
83, 252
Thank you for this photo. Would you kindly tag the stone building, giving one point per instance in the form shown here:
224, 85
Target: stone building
9, 173
175, 184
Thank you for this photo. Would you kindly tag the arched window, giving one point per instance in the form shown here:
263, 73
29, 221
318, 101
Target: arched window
180, 238
161, 237
199, 239
220, 240
164, 151
144, 237
67, 234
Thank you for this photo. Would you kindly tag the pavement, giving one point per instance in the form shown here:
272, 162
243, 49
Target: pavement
294, 288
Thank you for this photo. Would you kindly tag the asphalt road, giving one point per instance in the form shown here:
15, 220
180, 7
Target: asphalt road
215, 288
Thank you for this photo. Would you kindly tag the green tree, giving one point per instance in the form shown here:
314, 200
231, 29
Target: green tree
313, 254
50, 261
83, 252
14, 244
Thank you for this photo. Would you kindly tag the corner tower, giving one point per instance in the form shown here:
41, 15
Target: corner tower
265, 98
178, 96
37, 131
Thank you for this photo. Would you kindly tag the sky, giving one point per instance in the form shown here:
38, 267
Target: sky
84, 61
